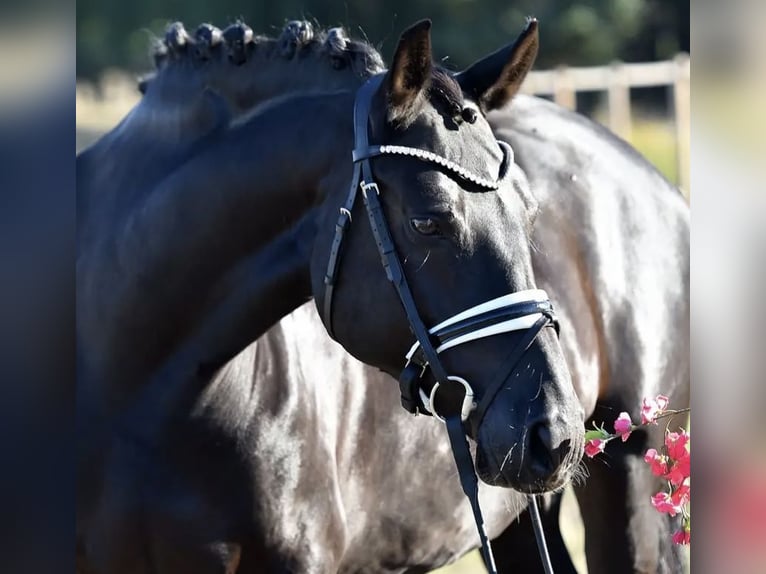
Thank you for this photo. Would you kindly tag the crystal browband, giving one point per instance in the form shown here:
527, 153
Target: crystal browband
429, 156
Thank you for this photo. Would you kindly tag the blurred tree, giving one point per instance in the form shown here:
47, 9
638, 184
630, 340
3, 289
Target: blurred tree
117, 33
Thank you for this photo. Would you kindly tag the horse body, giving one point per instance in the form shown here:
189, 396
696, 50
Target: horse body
614, 310
294, 456
609, 228
172, 499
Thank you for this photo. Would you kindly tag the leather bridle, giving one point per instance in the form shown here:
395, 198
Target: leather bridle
528, 311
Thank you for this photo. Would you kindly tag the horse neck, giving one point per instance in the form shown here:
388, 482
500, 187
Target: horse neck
248, 184
224, 243
250, 299
187, 100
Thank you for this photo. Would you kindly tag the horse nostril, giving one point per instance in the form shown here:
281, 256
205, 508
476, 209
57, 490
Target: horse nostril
541, 451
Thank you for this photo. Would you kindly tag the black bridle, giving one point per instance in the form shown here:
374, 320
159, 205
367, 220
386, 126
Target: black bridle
529, 311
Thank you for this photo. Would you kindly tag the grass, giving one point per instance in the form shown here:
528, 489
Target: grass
656, 140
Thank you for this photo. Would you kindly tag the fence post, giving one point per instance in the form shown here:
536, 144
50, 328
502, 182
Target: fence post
619, 101
681, 95
563, 89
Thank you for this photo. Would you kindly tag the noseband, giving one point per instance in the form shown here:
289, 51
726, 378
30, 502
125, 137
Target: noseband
528, 311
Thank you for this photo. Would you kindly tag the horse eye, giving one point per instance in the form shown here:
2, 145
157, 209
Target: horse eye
425, 225
469, 115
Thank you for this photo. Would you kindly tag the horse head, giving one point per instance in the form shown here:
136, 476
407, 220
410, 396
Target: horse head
458, 213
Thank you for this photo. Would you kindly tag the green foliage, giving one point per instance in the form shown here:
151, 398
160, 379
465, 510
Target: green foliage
117, 33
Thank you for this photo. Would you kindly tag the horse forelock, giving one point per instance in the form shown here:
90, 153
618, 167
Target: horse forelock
444, 94
446, 90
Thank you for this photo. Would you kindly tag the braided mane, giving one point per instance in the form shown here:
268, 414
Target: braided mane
212, 51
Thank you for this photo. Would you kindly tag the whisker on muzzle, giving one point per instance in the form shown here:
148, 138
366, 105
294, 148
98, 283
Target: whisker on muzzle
580, 474
506, 460
515, 505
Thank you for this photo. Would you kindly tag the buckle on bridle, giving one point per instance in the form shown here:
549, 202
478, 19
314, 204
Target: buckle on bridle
409, 386
468, 406
366, 186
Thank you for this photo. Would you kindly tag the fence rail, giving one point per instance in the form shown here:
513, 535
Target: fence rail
617, 79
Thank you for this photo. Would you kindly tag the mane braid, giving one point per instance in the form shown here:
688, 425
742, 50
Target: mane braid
193, 53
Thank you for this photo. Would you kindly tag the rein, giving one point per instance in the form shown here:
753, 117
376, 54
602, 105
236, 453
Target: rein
528, 311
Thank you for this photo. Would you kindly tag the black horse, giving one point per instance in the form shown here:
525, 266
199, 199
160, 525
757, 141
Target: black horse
553, 121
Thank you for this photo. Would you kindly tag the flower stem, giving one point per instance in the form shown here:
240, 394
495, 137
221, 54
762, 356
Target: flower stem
673, 413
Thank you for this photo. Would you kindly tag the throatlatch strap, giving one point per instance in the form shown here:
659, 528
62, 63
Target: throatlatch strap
470, 483
344, 219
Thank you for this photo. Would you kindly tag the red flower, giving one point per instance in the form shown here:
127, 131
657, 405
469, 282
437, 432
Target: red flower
684, 465
595, 446
658, 462
663, 503
683, 536
681, 495
652, 408
675, 476
679, 471
676, 444
623, 426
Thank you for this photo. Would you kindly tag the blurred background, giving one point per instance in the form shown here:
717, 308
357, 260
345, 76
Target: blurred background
576, 32
37, 228
729, 264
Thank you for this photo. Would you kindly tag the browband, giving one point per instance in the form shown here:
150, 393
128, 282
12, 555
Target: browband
448, 164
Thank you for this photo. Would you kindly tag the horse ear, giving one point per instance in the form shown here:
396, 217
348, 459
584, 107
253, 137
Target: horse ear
410, 74
494, 80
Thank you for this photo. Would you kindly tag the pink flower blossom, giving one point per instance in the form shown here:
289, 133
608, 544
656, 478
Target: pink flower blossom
684, 466
679, 471
675, 476
594, 447
652, 408
663, 503
672, 463
681, 495
658, 462
623, 426
676, 444
683, 536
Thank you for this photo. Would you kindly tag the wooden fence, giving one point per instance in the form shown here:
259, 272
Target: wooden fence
562, 83
617, 80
